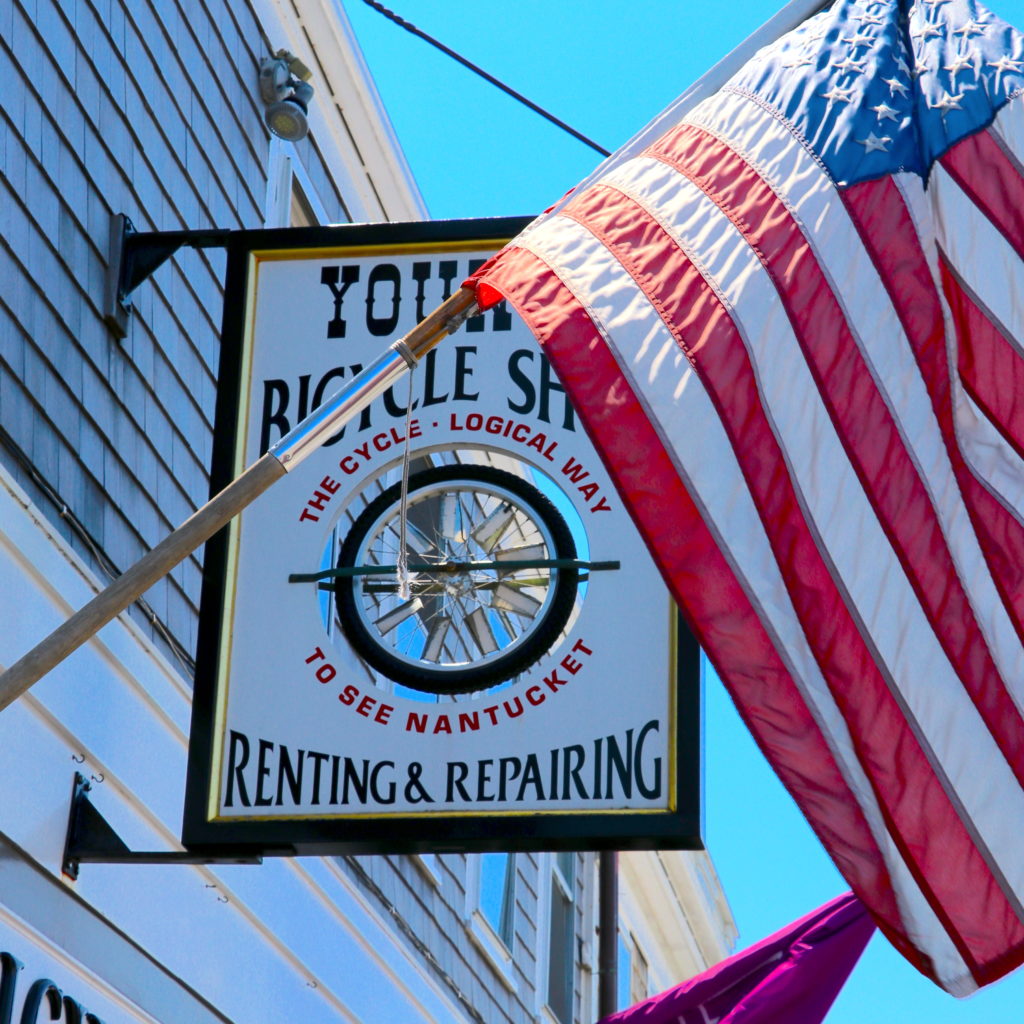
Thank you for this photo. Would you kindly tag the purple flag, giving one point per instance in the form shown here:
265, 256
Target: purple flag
792, 977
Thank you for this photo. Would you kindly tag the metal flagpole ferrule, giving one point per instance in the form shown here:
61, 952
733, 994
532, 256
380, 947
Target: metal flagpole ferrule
315, 429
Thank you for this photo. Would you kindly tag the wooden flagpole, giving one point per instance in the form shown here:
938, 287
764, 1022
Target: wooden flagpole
302, 441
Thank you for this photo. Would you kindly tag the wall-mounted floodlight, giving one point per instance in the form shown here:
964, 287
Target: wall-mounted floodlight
285, 89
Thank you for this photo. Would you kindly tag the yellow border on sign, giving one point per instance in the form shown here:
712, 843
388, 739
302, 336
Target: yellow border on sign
256, 257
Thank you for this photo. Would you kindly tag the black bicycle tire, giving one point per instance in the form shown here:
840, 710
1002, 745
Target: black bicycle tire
499, 668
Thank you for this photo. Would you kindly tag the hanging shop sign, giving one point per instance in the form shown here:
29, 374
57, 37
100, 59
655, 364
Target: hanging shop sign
481, 657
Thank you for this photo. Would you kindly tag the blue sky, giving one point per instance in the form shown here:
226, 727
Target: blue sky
607, 69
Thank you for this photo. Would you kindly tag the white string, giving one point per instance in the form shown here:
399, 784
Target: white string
402, 568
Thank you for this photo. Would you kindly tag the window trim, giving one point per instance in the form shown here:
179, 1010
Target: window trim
482, 932
552, 876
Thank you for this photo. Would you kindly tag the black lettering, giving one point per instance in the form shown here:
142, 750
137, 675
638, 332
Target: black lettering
73, 1011
238, 741
360, 783
531, 777
387, 273
483, 779
429, 370
329, 277
654, 790
508, 771
274, 416
462, 371
621, 765
420, 274
40, 990
456, 783
386, 796
9, 968
447, 270
262, 772
286, 772
572, 764
303, 398
393, 406
318, 760
521, 381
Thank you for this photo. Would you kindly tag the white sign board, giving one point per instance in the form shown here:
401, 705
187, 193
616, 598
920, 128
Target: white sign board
519, 683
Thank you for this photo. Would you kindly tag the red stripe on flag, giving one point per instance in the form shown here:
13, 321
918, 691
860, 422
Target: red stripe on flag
998, 190
991, 369
700, 578
879, 212
909, 792
861, 417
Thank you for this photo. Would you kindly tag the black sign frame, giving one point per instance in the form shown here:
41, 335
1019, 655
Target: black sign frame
679, 827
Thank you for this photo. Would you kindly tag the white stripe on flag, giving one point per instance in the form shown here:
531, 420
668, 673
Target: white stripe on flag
1009, 129
982, 257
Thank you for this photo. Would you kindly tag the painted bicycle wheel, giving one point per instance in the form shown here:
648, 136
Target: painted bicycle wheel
484, 603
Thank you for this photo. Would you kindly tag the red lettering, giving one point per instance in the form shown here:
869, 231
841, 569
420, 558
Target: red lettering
383, 715
319, 501
364, 706
571, 665
348, 695
552, 682
574, 470
537, 441
330, 485
535, 695
416, 723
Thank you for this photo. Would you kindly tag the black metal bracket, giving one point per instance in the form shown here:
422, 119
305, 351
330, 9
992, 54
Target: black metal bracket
91, 840
134, 255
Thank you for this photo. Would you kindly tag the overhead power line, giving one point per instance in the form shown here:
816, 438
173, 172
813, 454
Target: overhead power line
409, 27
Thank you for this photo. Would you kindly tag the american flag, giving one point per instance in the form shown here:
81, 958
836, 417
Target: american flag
791, 321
